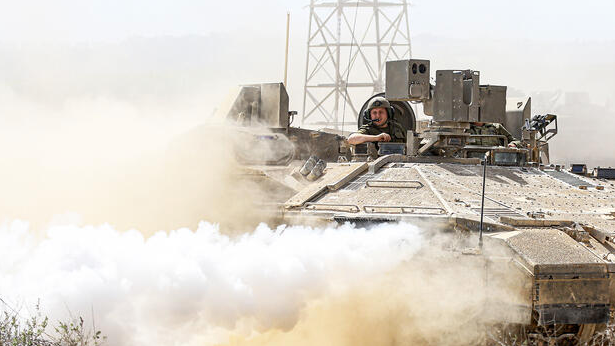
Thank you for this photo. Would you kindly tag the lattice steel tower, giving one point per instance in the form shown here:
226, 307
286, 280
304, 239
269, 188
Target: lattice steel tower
348, 45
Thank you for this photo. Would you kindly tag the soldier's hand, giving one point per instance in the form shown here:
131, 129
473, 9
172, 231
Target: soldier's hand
384, 137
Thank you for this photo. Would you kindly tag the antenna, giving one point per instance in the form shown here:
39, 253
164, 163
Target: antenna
482, 203
286, 53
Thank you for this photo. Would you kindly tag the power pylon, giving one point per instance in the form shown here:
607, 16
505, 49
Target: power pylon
348, 45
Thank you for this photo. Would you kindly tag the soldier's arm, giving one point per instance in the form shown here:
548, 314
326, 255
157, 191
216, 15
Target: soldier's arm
358, 138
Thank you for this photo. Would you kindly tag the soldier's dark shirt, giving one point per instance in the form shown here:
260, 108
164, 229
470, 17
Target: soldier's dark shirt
393, 128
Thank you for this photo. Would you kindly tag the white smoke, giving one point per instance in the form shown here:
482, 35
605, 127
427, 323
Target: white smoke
187, 287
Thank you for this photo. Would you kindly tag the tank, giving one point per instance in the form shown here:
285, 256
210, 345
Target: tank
556, 225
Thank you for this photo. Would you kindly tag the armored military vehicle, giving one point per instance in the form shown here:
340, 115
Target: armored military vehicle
557, 225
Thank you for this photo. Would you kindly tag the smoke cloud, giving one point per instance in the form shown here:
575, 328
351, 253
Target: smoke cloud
294, 285
192, 287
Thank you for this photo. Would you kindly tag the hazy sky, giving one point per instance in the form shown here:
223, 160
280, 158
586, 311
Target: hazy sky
208, 47
112, 20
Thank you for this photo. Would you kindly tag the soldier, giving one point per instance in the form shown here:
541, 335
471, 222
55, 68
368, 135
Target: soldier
378, 124
478, 128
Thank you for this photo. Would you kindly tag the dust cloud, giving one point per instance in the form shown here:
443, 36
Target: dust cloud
435, 297
123, 133
106, 162
340, 285
585, 128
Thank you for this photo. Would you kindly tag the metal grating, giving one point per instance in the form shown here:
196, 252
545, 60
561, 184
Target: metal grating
393, 209
568, 178
364, 221
360, 181
529, 171
495, 213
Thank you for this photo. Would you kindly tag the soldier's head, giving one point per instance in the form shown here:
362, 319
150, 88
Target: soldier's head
378, 109
478, 123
